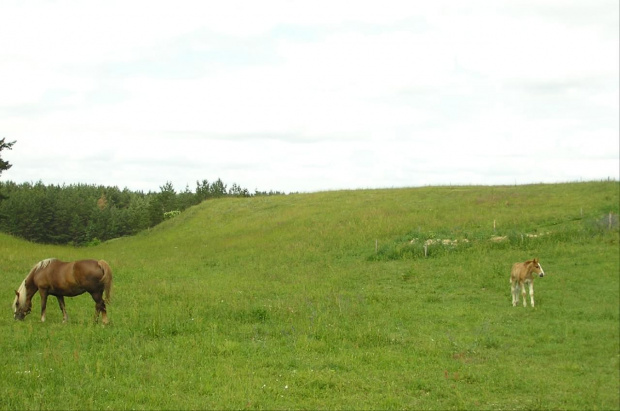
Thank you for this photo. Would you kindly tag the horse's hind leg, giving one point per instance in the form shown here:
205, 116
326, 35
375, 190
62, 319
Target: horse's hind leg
61, 303
514, 289
100, 308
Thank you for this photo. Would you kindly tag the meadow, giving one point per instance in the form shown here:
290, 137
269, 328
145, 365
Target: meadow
330, 301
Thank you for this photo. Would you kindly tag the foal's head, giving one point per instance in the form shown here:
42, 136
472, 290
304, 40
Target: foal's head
21, 307
536, 267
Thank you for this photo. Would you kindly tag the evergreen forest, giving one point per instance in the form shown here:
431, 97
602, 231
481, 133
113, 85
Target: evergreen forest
84, 214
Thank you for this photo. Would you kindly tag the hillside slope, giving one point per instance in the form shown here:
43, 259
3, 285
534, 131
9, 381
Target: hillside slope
327, 300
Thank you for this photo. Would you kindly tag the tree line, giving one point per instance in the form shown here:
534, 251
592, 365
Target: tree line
83, 214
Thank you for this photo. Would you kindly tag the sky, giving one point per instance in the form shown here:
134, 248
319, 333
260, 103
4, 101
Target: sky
304, 96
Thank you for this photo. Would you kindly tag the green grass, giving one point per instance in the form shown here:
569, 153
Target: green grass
319, 301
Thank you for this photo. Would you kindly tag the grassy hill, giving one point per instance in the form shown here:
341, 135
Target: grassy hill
331, 301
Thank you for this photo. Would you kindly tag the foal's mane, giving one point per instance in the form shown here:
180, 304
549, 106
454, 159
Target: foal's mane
531, 262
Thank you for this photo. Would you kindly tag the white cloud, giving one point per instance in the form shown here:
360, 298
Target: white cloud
300, 96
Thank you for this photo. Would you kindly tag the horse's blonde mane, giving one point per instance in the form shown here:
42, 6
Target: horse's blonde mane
21, 297
41, 264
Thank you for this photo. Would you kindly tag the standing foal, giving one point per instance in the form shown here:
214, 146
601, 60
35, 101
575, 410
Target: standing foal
522, 274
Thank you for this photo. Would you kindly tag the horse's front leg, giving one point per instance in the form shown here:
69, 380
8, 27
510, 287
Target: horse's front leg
43, 294
532, 293
61, 303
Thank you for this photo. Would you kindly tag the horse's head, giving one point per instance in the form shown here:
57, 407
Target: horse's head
537, 268
20, 307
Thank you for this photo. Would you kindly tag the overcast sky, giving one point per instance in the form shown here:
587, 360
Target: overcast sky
310, 95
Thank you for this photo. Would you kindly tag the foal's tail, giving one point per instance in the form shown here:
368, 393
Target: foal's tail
106, 280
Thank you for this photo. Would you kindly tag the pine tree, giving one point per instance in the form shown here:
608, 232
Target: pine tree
4, 165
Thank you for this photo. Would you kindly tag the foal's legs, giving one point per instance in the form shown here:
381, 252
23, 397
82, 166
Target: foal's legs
532, 292
523, 292
43, 294
514, 289
100, 307
61, 303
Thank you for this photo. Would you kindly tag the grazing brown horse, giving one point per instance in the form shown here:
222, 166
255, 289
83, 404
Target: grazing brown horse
522, 274
61, 279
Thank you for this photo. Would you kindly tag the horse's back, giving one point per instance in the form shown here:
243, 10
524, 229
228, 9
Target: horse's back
88, 270
70, 278
46, 271
518, 272
86, 265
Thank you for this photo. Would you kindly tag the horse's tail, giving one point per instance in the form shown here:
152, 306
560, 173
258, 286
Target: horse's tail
106, 280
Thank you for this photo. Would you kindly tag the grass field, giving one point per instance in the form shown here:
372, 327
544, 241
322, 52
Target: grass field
327, 301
